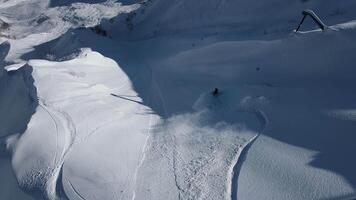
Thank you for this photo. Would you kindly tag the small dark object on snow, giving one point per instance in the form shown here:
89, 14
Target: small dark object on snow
258, 69
216, 92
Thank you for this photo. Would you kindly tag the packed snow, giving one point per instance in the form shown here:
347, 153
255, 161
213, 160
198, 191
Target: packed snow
114, 100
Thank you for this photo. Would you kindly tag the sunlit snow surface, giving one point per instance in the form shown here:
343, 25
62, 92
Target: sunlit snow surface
88, 132
91, 135
132, 116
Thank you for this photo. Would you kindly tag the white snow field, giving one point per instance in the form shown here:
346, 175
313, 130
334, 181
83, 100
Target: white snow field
87, 144
106, 99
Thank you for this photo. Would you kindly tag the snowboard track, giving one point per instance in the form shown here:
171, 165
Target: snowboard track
243, 153
69, 132
75, 190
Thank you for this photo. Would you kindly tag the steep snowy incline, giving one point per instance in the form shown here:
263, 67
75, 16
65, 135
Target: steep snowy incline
296, 75
89, 131
103, 142
17, 104
203, 144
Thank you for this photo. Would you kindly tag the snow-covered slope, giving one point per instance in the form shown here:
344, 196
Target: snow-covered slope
125, 110
72, 133
17, 104
75, 135
297, 99
246, 19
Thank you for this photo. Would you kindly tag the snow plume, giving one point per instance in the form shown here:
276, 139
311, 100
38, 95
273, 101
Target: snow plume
203, 154
194, 153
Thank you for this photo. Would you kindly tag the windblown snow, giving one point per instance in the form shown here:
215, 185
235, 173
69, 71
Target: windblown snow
114, 100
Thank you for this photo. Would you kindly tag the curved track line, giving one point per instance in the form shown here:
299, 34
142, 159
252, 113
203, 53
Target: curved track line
235, 169
175, 153
58, 116
126, 83
144, 152
75, 190
145, 146
44, 107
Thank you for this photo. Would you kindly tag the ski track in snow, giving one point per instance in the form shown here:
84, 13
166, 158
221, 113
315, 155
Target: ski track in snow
195, 179
144, 151
75, 190
147, 140
68, 124
236, 167
68, 135
57, 130
175, 153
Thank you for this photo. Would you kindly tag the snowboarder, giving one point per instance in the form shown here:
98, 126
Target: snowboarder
216, 92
